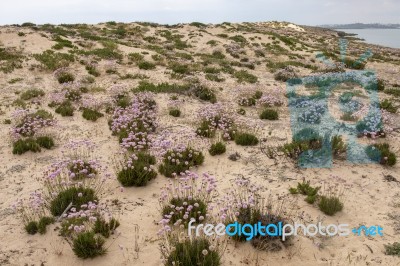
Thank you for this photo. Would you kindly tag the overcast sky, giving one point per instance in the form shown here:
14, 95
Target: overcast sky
306, 12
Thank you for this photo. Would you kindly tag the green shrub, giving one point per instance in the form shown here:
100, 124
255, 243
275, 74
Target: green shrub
65, 77
189, 253
140, 173
338, 145
65, 109
330, 205
388, 106
45, 142
91, 115
381, 153
244, 76
175, 112
32, 227
393, 91
269, 114
65, 197
172, 163
257, 95
306, 189
217, 148
180, 68
246, 139
251, 101
146, 65
241, 111
105, 228
7, 121
54, 61
136, 57
123, 101
32, 93
206, 129
161, 88
205, 94
24, 145
88, 245
43, 223
393, 249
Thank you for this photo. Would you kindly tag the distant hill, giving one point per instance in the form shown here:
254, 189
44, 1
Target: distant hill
362, 26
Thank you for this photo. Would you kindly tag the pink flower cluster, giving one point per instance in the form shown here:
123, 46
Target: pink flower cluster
28, 123
191, 187
137, 120
273, 98
220, 118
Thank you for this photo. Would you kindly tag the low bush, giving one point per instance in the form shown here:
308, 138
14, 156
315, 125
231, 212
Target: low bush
246, 139
195, 251
105, 228
65, 109
43, 223
217, 148
381, 153
330, 205
88, 245
75, 195
91, 115
269, 114
393, 249
65, 77
175, 112
205, 94
32, 227
146, 65
178, 161
244, 76
388, 106
138, 170
32, 93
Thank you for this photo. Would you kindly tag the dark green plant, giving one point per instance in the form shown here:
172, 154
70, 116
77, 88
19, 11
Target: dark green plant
32, 227
217, 148
175, 112
140, 173
169, 167
43, 223
246, 139
241, 111
206, 129
88, 245
244, 76
146, 65
393, 249
330, 205
65, 77
91, 115
45, 142
381, 153
105, 228
71, 195
32, 93
306, 189
189, 253
65, 109
24, 145
269, 114
54, 61
388, 106
338, 145
205, 94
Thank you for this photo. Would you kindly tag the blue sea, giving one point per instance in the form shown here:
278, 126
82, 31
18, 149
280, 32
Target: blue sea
384, 37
